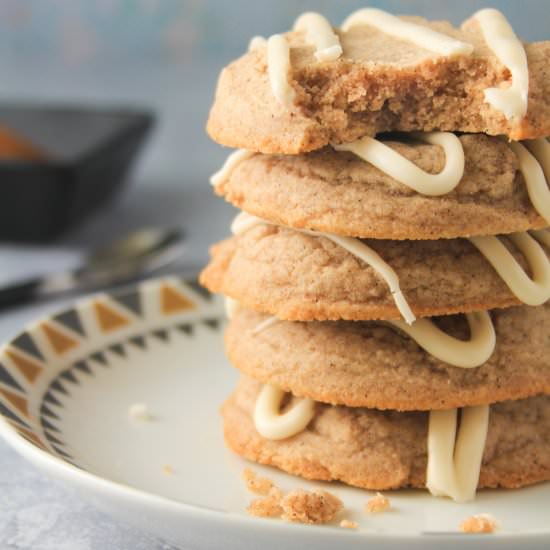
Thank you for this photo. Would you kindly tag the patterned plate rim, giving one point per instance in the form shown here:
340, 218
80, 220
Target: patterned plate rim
65, 336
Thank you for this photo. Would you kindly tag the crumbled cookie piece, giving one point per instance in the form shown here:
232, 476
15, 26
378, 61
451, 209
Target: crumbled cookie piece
310, 507
255, 483
140, 412
167, 469
479, 523
347, 524
267, 507
378, 503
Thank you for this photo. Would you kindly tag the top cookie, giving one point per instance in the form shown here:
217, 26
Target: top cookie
379, 83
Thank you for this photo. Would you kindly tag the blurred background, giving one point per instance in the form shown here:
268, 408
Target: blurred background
162, 56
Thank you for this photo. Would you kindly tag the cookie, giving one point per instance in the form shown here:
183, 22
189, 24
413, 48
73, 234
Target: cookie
368, 364
300, 277
386, 449
338, 192
380, 83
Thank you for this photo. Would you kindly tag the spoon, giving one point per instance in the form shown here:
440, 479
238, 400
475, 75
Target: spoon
135, 255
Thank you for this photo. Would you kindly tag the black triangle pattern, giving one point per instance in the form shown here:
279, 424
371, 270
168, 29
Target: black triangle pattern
69, 376
8, 413
138, 341
56, 385
72, 462
47, 414
188, 328
7, 379
161, 335
50, 398
52, 439
46, 411
214, 323
131, 301
47, 425
25, 343
82, 366
118, 349
99, 357
200, 290
71, 319
61, 452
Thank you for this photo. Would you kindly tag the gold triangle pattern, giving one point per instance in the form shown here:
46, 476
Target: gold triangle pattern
59, 341
28, 434
108, 318
29, 369
19, 402
173, 301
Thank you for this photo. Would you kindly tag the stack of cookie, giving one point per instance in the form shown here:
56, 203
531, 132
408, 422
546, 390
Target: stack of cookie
388, 276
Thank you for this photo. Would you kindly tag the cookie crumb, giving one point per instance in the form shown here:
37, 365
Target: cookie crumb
139, 411
167, 469
317, 507
347, 524
267, 507
378, 503
479, 523
255, 483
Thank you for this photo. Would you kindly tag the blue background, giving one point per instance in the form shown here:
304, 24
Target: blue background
167, 54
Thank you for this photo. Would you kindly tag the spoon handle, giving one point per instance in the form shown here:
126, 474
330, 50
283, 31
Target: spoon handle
33, 289
19, 293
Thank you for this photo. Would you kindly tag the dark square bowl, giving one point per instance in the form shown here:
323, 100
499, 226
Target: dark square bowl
87, 153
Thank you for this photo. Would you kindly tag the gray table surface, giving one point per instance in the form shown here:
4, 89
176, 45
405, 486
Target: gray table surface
35, 512
169, 187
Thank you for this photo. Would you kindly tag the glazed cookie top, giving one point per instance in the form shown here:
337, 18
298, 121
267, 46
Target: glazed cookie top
370, 364
300, 276
300, 91
483, 190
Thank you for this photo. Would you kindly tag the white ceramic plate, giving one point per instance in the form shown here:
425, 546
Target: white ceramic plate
67, 382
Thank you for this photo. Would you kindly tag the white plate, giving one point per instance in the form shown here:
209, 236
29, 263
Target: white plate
67, 382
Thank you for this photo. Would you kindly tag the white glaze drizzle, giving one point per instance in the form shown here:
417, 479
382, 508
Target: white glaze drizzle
534, 163
454, 466
369, 256
459, 353
454, 462
542, 235
231, 162
417, 34
231, 307
501, 39
327, 43
269, 421
327, 48
406, 172
319, 32
531, 291
265, 324
278, 67
256, 42
245, 221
